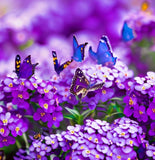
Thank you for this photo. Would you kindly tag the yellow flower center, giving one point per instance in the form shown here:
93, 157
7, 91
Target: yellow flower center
81, 147
72, 132
2, 130
130, 101
20, 96
39, 156
131, 142
119, 157
17, 129
4, 140
52, 142
111, 154
46, 90
54, 118
143, 88
88, 151
104, 91
46, 106
140, 112
96, 140
122, 134
90, 138
5, 121
34, 84
22, 83
129, 159
97, 156
10, 85
153, 110
42, 114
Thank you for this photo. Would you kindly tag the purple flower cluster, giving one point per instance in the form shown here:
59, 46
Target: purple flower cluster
21, 98
10, 123
114, 79
96, 139
140, 101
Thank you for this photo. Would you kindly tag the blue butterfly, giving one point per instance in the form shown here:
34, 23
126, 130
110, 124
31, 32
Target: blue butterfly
25, 69
78, 50
127, 33
104, 54
58, 68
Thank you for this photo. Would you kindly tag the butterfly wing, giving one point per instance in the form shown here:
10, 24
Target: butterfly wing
104, 53
95, 87
55, 62
58, 68
78, 50
75, 43
27, 68
127, 33
17, 64
79, 84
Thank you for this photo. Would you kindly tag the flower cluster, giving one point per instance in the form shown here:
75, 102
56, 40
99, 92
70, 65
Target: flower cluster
24, 98
95, 139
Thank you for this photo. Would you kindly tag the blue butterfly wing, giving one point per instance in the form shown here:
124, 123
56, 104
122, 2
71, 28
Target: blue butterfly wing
78, 54
75, 43
127, 33
92, 53
104, 53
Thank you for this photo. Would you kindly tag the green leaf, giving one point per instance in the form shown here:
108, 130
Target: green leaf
69, 117
73, 112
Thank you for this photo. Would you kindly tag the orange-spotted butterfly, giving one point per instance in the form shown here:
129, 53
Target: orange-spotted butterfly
59, 68
25, 69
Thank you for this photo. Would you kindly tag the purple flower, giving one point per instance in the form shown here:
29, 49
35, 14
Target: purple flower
152, 129
6, 119
151, 110
20, 96
52, 140
18, 128
47, 105
6, 141
140, 113
40, 114
55, 119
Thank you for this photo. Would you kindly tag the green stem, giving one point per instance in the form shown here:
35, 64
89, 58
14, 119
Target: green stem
18, 144
25, 139
28, 116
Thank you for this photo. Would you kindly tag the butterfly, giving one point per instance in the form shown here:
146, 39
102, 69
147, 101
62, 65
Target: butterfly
58, 68
37, 136
25, 69
104, 54
127, 33
78, 50
81, 86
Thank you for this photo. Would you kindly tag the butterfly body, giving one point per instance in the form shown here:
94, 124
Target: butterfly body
25, 69
78, 50
104, 54
127, 33
59, 68
37, 136
81, 86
